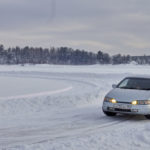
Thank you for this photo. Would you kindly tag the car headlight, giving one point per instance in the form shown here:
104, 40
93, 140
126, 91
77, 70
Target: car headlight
134, 102
143, 102
140, 102
111, 100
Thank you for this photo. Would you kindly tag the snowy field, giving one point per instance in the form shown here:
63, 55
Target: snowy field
48, 107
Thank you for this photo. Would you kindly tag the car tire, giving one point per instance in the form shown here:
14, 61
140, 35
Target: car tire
107, 113
147, 116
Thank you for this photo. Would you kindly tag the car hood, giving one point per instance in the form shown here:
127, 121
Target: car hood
128, 95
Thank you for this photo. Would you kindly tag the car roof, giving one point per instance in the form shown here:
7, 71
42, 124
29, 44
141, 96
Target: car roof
139, 76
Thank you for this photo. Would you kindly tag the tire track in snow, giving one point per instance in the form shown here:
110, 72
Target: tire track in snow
50, 136
84, 131
38, 94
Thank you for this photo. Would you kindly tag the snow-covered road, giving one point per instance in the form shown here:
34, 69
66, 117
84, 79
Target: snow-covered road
61, 109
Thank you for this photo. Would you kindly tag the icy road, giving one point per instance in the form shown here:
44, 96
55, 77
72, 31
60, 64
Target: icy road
46, 107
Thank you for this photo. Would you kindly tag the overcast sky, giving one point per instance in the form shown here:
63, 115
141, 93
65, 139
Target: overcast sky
113, 26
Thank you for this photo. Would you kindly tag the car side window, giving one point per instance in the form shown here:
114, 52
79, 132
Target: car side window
124, 83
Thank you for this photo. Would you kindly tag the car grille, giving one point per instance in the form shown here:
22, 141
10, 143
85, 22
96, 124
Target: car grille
124, 102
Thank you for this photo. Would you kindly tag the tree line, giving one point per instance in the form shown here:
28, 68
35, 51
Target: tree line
64, 55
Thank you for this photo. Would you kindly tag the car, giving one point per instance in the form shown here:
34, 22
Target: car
130, 96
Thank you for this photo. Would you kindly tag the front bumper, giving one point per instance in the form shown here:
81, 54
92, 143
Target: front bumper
132, 109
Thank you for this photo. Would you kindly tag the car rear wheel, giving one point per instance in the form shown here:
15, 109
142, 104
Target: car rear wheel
147, 116
107, 113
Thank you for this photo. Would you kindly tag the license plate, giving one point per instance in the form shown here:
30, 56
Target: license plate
122, 106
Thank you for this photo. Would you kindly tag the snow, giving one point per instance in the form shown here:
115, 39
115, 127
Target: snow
59, 108
25, 89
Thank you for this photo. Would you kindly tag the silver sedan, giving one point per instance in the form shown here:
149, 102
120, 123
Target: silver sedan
130, 96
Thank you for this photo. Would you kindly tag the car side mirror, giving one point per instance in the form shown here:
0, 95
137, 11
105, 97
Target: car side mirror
114, 86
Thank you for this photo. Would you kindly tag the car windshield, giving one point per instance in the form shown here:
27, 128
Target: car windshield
135, 83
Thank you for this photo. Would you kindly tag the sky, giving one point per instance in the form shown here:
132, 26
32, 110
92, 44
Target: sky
112, 26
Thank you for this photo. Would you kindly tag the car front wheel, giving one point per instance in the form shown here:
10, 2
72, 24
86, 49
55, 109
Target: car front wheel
147, 116
107, 113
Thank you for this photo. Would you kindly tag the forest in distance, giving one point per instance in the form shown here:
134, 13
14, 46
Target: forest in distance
64, 55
